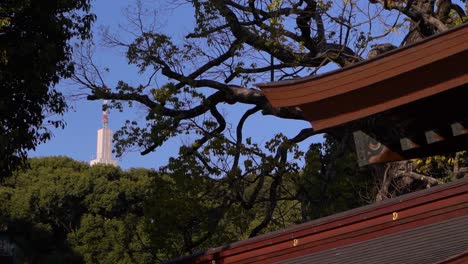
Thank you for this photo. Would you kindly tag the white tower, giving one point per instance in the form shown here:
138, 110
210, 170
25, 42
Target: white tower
104, 141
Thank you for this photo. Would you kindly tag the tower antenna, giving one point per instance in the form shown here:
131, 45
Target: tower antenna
104, 138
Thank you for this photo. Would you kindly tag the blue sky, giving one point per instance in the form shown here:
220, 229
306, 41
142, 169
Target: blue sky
78, 139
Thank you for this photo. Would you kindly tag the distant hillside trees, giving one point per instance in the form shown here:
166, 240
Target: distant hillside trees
64, 211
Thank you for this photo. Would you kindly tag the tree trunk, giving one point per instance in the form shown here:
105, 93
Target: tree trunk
420, 29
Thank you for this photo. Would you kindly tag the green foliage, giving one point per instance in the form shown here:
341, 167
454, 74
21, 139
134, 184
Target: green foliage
184, 210
112, 240
444, 167
63, 211
331, 181
191, 209
35, 54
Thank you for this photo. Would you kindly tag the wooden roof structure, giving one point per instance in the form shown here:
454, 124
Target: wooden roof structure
410, 102
428, 226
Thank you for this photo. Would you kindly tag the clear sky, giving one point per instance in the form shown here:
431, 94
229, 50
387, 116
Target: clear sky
78, 139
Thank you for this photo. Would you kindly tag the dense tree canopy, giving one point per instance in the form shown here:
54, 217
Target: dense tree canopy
59, 210
234, 44
63, 211
35, 54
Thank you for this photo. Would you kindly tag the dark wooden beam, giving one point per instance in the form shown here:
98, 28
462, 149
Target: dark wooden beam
369, 150
407, 143
415, 130
459, 128
433, 136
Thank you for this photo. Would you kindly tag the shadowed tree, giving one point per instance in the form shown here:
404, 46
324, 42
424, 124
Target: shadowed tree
63, 211
35, 54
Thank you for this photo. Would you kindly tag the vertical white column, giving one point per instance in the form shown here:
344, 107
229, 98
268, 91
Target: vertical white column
104, 142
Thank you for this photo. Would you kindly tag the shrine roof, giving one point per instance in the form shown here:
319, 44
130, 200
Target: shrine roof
423, 227
396, 78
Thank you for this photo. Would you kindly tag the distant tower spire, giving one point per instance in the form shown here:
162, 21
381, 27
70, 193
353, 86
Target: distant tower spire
104, 140
105, 114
